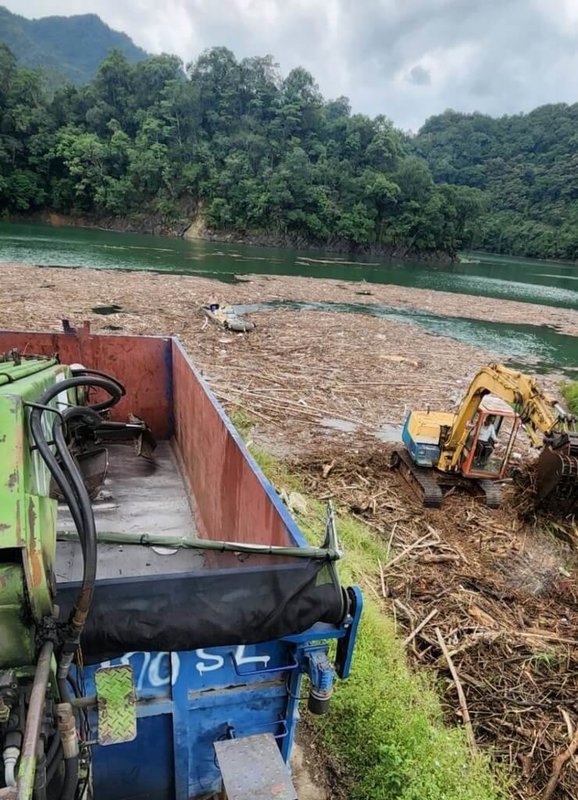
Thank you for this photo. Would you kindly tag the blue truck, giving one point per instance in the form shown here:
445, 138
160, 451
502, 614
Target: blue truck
162, 617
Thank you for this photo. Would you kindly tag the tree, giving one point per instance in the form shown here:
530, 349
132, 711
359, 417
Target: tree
258, 152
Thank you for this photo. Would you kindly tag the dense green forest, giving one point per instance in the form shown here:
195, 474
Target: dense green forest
69, 49
251, 152
256, 152
527, 167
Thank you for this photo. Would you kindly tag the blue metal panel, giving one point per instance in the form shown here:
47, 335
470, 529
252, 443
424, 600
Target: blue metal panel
189, 700
138, 770
424, 455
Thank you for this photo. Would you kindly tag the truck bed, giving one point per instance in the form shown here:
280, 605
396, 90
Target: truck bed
139, 497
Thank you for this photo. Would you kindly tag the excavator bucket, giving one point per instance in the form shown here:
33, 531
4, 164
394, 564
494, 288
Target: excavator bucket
557, 477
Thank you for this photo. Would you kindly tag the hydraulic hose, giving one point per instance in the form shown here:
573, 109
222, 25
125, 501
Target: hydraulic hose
70, 750
51, 755
89, 378
34, 722
71, 484
69, 480
114, 388
54, 764
54, 467
101, 374
82, 498
70, 778
110, 385
116, 391
54, 745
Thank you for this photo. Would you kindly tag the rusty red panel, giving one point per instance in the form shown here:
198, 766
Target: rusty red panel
232, 502
141, 363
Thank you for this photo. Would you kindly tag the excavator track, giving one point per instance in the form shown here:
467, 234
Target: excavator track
492, 492
425, 484
420, 479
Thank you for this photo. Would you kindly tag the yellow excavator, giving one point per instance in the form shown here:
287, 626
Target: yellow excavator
473, 447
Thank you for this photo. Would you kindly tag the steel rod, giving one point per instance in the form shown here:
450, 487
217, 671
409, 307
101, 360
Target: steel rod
150, 540
33, 723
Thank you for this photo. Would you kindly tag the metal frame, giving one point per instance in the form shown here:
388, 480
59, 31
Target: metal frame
468, 468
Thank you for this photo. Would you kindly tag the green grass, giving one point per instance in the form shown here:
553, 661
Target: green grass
385, 726
570, 392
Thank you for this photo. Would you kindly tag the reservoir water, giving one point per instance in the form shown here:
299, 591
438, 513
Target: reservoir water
479, 274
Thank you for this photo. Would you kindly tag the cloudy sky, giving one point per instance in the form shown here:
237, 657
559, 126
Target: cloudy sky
407, 59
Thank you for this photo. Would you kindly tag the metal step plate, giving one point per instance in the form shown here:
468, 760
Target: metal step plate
252, 769
116, 704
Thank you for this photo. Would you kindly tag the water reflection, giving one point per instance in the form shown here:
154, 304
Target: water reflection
528, 280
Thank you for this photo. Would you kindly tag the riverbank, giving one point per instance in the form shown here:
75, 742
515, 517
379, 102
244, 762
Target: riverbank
188, 224
198, 230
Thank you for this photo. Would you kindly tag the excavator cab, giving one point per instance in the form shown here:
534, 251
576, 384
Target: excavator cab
489, 443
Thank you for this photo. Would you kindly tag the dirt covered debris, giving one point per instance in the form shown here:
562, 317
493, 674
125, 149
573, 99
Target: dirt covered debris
501, 592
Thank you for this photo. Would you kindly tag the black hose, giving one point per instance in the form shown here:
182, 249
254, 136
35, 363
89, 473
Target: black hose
113, 387
100, 374
82, 499
116, 391
71, 484
69, 480
70, 778
53, 749
62, 688
54, 468
54, 764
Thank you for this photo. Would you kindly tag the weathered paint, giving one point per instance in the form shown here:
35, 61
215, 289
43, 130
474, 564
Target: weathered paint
17, 641
26, 547
188, 700
142, 363
233, 500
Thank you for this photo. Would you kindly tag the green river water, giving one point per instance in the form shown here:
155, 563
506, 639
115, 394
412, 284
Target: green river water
485, 276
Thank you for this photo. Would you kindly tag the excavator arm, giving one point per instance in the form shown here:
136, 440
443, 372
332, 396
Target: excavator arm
540, 414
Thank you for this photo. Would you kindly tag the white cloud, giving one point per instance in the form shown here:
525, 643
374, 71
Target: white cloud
496, 56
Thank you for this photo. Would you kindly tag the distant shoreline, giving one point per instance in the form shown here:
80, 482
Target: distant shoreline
186, 229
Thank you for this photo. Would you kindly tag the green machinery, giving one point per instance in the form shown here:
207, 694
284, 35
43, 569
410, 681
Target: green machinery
41, 403
27, 513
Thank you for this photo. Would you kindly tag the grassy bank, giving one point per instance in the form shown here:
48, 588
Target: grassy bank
385, 727
570, 392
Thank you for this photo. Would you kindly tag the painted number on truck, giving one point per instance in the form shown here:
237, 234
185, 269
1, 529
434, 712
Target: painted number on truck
163, 669
210, 662
156, 670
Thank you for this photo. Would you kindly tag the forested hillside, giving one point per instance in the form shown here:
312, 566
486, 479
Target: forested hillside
69, 49
527, 167
255, 152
